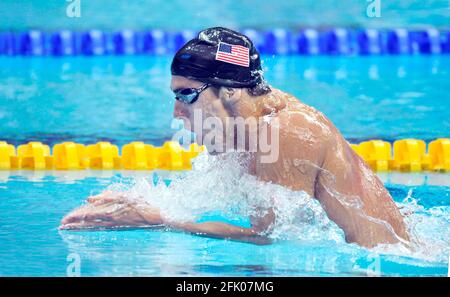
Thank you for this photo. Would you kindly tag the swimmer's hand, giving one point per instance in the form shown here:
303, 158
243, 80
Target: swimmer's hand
111, 210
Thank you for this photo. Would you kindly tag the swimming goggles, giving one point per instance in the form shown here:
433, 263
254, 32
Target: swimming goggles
189, 95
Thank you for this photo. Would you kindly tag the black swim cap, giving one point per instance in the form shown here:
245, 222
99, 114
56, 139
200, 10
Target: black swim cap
219, 56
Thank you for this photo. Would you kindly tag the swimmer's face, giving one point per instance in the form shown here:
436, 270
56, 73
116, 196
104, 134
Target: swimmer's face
194, 115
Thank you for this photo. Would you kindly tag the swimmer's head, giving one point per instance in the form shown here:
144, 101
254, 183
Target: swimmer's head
219, 56
212, 72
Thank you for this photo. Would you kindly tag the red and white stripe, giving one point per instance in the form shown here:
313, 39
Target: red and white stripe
239, 56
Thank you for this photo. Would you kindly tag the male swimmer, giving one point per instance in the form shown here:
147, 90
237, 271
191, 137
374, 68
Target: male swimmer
219, 74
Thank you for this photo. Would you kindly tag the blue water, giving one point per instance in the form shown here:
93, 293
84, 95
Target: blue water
200, 14
121, 99
30, 245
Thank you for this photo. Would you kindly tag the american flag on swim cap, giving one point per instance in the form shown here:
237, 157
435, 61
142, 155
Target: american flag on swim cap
233, 54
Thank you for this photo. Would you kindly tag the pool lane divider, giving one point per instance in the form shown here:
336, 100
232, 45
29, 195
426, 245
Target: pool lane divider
102, 155
408, 155
307, 41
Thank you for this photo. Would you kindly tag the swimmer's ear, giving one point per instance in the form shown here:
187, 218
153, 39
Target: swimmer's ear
230, 96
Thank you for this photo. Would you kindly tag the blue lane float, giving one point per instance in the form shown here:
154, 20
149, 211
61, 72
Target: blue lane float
32, 43
157, 42
7, 43
398, 42
336, 42
369, 42
308, 41
62, 43
425, 42
445, 42
278, 42
93, 43
125, 43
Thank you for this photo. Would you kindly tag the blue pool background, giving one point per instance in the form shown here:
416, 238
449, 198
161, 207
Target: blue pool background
198, 14
32, 206
74, 98
122, 99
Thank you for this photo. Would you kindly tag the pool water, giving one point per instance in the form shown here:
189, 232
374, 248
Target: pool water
200, 14
122, 99
73, 98
32, 205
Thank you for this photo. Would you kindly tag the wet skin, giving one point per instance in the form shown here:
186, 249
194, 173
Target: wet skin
313, 157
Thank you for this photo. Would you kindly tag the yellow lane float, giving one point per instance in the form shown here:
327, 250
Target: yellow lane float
376, 153
7, 152
69, 155
439, 154
33, 155
102, 155
409, 155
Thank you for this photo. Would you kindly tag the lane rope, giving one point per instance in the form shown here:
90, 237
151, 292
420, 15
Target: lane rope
309, 41
408, 155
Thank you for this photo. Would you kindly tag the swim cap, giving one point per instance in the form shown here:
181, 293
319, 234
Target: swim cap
219, 56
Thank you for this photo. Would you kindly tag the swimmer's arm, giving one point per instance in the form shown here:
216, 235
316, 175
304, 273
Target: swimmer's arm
254, 234
221, 230
339, 190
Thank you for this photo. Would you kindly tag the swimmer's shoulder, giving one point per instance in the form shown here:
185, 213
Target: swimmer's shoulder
297, 121
297, 115
305, 128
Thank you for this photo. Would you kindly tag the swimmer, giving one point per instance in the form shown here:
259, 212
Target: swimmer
219, 74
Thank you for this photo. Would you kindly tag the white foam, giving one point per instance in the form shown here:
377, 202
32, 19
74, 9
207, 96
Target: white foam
221, 185
218, 184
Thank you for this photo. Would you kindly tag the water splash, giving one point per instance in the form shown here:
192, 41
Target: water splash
218, 183
221, 184
429, 229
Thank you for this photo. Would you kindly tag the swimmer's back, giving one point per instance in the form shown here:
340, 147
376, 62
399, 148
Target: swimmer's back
314, 157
